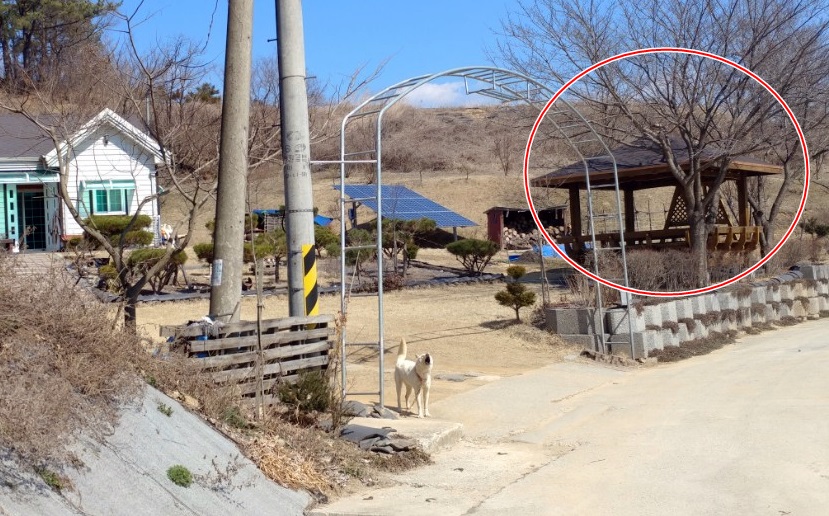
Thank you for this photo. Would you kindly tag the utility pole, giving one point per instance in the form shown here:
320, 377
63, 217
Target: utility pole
229, 232
296, 158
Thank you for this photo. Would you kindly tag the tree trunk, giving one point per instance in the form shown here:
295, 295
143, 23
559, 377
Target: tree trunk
517, 317
699, 250
130, 316
130, 305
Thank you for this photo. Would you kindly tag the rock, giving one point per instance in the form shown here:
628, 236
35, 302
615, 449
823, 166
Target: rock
356, 409
381, 412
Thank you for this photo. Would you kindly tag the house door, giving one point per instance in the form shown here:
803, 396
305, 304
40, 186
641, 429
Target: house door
32, 226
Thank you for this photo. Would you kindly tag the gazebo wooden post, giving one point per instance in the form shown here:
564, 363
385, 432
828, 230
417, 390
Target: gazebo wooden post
575, 212
743, 210
630, 211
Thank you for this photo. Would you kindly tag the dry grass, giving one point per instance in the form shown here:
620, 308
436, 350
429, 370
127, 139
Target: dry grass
694, 348
309, 458
63, 368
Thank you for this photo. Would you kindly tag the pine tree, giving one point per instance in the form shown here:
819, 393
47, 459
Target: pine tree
516, 295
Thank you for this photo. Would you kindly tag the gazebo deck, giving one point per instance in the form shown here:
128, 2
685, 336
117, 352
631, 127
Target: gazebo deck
722, 238
641, 165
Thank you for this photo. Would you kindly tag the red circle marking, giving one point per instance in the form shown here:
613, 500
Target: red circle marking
708, 55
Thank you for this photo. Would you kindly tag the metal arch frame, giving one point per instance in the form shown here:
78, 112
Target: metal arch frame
504, 85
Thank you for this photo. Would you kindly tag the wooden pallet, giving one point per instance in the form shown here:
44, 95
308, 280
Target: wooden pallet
230, 353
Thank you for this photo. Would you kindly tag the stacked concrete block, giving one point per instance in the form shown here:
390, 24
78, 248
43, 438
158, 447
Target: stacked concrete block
668, 311
816, 271
573, 321
616, 321
699, 330
801, 302
653, 316
758, 294
714, 315
683, 335
773, 312
684, 308
728, 321
643, 343
758, 315
813, 310
729, 307
680, 320
698, 305
773, 301
669, 338
744, 311
727, 300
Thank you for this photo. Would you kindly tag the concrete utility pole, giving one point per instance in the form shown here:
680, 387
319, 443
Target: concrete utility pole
296, 156
229, 233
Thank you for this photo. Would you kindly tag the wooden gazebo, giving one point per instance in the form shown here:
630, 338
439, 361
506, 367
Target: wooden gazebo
641, 166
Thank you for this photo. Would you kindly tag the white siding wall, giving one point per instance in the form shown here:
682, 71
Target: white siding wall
118, 160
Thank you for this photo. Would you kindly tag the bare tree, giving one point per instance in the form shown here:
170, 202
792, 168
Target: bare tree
504, 150
692, 108
149, 90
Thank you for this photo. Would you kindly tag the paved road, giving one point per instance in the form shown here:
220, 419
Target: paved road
744, 430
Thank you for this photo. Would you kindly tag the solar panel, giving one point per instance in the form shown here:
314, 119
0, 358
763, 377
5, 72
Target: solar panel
403, 204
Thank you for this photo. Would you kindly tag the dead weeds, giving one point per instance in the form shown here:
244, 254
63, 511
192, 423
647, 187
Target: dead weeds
693, 348
317, 461
63, 368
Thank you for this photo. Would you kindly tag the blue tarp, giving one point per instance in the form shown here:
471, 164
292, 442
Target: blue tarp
547, 251
322, 220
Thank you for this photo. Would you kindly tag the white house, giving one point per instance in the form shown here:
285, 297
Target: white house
112, 168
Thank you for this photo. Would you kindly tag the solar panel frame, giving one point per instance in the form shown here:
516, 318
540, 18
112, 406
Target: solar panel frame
402, 203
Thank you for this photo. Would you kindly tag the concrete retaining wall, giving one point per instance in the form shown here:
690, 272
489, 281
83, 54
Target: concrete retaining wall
800, 294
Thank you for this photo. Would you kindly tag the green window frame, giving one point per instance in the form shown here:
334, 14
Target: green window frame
112, 197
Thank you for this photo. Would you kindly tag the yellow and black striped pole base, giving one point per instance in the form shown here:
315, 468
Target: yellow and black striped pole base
309, 269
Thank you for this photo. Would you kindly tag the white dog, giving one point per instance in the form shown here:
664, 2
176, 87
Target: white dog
417, 375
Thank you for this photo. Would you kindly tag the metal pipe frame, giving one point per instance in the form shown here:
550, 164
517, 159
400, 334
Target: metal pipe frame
505, 85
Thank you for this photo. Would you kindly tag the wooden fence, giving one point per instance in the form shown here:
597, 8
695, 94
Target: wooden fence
237, 353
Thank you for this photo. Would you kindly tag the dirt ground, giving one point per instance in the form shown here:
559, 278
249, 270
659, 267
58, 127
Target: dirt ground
470, 335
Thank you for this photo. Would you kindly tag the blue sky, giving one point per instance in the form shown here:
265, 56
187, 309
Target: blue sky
414, 38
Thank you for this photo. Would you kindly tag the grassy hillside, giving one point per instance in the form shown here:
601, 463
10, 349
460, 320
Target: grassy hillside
449, 155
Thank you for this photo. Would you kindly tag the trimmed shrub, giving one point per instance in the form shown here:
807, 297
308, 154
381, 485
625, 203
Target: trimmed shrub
204, 251
516, 295
113, 226
327, 239
144, 259
474, 254
110, 225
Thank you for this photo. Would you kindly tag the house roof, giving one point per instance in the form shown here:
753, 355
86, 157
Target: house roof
109, 117
522, 209
641, 164
22, 140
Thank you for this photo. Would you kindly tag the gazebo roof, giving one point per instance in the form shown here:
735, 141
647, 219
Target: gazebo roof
641, 165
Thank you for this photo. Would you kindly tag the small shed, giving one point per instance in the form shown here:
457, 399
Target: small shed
512, 227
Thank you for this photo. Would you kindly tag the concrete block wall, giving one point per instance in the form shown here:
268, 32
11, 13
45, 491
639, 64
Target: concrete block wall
798, 293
